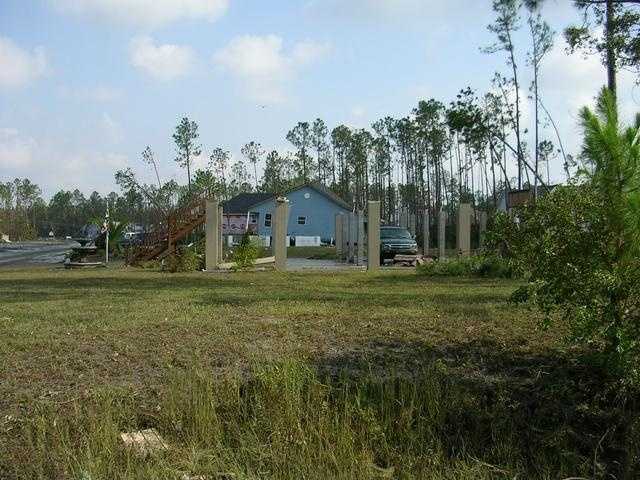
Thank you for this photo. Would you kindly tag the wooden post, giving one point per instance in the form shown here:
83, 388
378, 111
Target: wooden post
426, 231
463, 237
442, 237
280, 233
212, 235
373, 236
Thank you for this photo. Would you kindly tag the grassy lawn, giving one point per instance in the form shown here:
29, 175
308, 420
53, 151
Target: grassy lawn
310, 375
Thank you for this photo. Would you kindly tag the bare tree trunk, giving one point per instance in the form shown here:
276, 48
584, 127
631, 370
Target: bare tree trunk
611, 55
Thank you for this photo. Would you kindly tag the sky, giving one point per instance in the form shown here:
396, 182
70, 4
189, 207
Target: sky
86, 85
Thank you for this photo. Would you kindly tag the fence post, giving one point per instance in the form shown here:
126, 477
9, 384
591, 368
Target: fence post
373, 236
280, 233
212, 234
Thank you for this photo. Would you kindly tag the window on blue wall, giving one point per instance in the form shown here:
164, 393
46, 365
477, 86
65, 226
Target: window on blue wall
267, 220
302, 220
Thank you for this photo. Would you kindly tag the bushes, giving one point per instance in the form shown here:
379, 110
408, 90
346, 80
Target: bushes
247, 252
185, 259
486, 266
579, 245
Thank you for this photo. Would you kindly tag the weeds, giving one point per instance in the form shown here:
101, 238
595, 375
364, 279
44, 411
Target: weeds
286, 421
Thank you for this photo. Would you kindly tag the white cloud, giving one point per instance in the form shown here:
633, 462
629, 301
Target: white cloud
263, 66
53, 164
18, 67
145, 13
16, 151
164, 62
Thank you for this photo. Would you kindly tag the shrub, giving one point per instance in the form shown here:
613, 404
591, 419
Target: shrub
486, 266
185, 259
579, 245
246, 253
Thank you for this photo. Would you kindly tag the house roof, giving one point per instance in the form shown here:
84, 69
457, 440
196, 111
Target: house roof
243, 202
320, 188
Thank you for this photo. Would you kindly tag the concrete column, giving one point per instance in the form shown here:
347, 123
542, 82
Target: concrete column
373, 236
345, 237
411, 222
482, 226
463, 237
425, 233
280, 233
338, 235
220, 228
360, 256
352, 238
212, 234
442, 238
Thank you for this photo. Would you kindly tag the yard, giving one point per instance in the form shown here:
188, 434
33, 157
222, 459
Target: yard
308, 375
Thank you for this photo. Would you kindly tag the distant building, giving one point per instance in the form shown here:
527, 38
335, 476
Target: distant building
312, 212
518, 198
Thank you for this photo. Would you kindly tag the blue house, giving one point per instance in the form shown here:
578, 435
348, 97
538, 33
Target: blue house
312, 212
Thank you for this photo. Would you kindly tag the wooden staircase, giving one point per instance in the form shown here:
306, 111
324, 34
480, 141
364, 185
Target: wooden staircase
161, 241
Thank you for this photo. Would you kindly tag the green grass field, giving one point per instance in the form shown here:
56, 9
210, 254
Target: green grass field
310, 375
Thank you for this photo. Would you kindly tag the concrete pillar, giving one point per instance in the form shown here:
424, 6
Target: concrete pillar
482, 226
220, 228
280, 233
338, 235
360, 256
404, 223
426, 232
411, 217
352, 237
212, 234
442, 238
373, 236
345, 237
463, 237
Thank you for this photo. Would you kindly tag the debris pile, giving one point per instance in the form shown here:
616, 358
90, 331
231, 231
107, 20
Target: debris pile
410, 260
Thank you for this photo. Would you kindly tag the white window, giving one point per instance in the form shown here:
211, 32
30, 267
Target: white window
267, 220
302, 220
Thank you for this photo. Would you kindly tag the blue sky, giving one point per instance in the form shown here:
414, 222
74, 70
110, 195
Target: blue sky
85, 85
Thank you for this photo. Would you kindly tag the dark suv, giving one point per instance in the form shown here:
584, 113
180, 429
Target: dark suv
395, 241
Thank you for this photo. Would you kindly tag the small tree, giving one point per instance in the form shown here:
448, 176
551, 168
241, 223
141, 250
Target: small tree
185, 138
579, 246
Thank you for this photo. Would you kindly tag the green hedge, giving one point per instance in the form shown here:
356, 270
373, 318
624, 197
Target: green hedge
486, 266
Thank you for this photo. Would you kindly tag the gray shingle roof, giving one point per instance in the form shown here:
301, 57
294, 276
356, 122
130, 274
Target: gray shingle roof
243, 202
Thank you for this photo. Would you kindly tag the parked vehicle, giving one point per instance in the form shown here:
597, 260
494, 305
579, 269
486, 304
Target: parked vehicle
396, 241
131, 238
